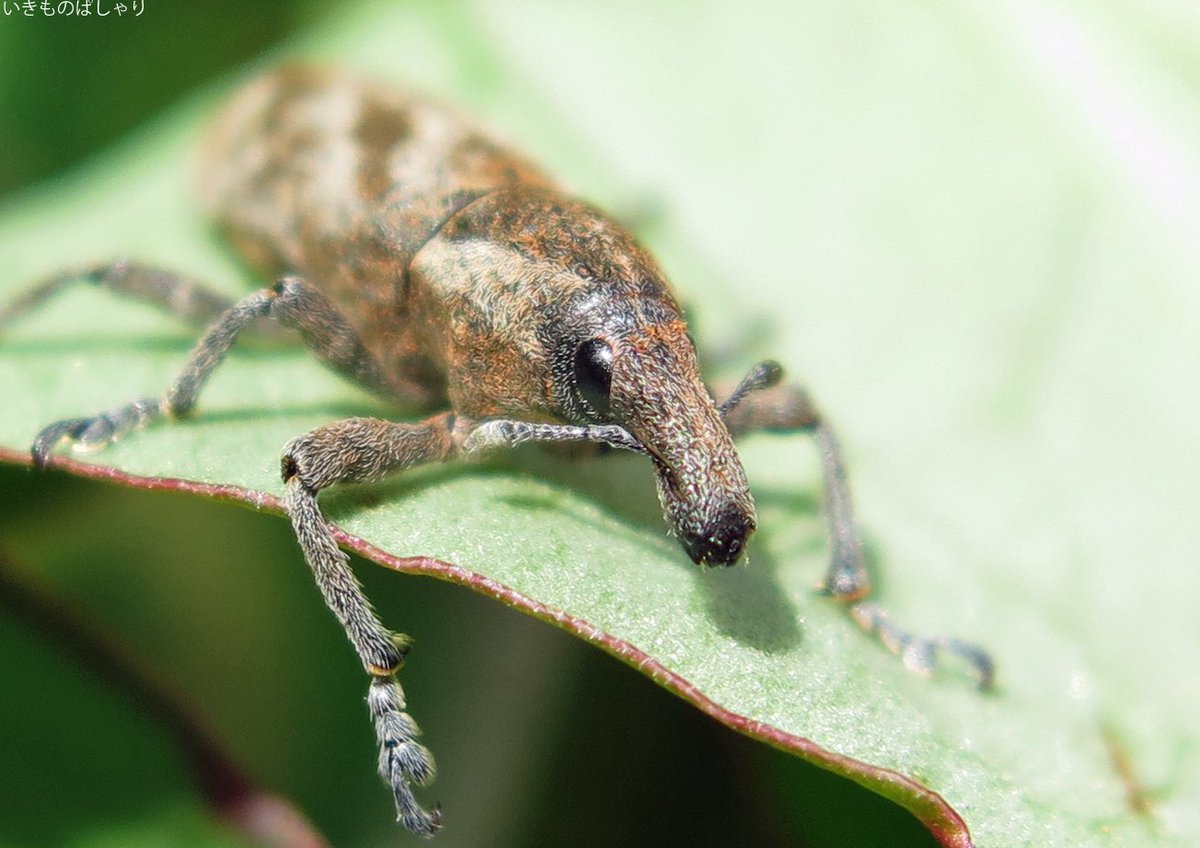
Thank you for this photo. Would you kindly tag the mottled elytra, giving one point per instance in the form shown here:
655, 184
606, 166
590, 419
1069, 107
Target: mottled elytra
420, 259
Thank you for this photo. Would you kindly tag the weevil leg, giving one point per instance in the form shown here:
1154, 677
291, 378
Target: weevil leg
359, 450
507, 433
761, 403
180, 295
292, 304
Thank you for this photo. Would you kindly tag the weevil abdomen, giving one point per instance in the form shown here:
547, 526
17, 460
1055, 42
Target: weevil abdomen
342, 181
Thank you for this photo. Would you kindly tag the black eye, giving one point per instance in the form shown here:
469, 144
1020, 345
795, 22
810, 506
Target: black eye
593, 374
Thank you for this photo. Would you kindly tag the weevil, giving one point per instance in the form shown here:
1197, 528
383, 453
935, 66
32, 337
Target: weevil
421, 259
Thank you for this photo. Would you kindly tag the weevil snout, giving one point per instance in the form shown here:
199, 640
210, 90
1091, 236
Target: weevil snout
706, 503
657, 394
722, 542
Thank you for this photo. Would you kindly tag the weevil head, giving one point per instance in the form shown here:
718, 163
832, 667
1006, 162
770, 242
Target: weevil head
625, 357
645, 378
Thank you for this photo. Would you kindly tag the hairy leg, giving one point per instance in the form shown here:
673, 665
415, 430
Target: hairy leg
760, 402
363, 449
290, 302
359, 450
181, 296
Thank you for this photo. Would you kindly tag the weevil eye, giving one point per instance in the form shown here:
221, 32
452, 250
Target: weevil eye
593, 374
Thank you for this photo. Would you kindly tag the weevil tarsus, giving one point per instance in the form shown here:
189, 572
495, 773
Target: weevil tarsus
96, 432
420, 259
920, 654
402, 760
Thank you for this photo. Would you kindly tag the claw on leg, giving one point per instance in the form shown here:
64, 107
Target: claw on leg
921, 654
92, 434
402, 760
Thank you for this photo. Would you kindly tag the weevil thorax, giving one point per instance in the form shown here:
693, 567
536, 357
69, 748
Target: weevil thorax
551, 311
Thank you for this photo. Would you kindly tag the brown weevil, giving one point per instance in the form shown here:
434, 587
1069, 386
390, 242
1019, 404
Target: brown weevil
425, 262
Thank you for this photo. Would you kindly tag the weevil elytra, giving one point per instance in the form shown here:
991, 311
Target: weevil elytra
420, 259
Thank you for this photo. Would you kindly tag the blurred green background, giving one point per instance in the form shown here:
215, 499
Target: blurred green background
542, 740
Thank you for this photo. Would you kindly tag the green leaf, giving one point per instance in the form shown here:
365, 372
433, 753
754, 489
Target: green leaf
972, 232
